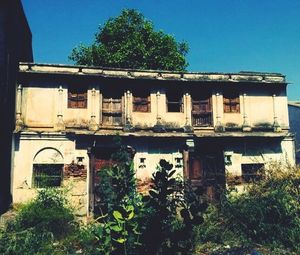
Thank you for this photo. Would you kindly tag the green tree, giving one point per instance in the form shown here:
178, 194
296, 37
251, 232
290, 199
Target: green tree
130, 41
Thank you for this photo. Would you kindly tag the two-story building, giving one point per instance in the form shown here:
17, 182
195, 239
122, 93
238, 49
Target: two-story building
206, 124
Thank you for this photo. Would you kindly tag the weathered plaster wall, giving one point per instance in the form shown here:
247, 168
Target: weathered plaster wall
27, 150
41, 106
259, 151
150, 161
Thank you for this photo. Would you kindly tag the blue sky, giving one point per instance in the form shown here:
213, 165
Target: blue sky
223, 35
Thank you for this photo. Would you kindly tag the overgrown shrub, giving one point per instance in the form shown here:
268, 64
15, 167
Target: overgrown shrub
267, 213
49, 212
117, 182
170, 197
25, 242
39, 223
120, 209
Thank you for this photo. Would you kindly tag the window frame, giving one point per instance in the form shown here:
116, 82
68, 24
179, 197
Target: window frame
42, 175
251, 172
174, 102
139, 101
202, 110
231, 102
112, 111
77, 98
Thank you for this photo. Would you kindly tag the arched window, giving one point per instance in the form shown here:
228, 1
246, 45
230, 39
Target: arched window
47, 168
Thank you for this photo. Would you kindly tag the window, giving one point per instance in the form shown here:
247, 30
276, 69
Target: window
174, 103
77, 98
202, 111
47, 175
142, 163
231, 102
112, 111
250, 172
141, 104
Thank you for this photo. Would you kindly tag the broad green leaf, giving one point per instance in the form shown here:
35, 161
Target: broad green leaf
120, 240
118, 216
130, 216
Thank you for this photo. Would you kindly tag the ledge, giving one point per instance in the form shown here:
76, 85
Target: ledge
245, 77
197, 133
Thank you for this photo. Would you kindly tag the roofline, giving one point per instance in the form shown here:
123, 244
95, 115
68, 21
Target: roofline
252, 77
294, 103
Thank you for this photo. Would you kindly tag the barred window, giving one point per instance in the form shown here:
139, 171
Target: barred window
250, 172
231, 102
47, 175
142, 104
77, 98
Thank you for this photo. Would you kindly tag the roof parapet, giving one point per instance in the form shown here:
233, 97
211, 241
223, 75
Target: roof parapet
255, 77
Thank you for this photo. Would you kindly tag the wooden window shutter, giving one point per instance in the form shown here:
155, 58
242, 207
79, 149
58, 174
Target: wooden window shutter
77, 98
141, 104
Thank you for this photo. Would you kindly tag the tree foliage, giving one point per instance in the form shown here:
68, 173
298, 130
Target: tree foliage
130, 41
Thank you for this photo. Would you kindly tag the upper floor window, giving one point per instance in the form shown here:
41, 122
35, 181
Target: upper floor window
174, 103
141, 103
201, 105
77, 98
112, 109
231, 102
201, 110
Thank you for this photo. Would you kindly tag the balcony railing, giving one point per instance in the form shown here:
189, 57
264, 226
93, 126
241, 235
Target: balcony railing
202, 119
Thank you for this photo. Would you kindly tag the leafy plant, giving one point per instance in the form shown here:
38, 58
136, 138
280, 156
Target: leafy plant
267, 213
121, 208
163, 204
49, 211
38, 224
117, 183
119, 235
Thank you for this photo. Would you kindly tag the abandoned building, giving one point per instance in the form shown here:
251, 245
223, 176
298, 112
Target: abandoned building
206, 124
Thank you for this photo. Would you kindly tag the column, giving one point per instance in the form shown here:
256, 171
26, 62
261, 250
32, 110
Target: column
276, 126
60, 123
93, 126
100, 107
19, 121
158, 117
188, 111
218, 126
128, 112
246, 126
158, 127
128, 107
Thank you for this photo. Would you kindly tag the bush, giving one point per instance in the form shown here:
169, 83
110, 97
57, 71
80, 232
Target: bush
267, 213
38, 224
25, 242
49, 212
